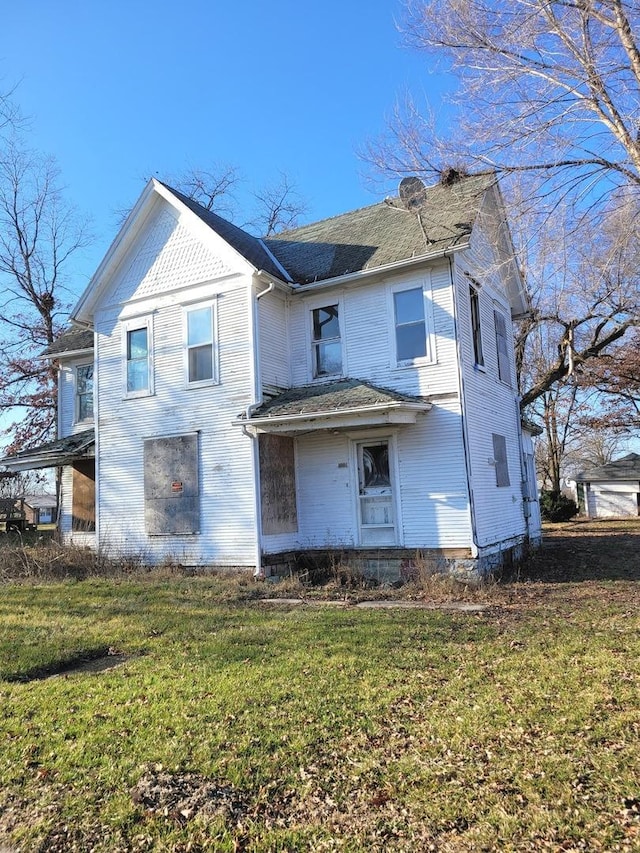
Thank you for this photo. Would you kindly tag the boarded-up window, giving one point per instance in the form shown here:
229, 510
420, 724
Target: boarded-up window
504, 365
277, 484
83, 495
500, 458
171, 496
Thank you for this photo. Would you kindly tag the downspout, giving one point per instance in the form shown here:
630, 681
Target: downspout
254, 342
526, 508
465, 435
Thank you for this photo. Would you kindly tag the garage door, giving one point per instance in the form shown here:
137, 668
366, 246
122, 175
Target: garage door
615, 503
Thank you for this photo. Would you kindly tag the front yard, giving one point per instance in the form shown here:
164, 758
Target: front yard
228, 723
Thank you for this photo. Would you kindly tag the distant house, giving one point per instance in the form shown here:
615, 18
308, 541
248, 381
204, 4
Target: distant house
39, 510
611, 490
347, 387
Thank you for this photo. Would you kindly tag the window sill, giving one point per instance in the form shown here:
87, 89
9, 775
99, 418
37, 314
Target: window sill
205, 383
137, 395
412, 365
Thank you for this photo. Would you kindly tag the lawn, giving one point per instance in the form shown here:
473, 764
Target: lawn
227, 723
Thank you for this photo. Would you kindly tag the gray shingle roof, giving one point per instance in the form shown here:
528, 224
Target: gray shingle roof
71, 340
57, 452
626, 468
335, 396
381, 234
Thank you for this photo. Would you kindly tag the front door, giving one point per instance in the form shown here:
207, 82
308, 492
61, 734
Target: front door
375, 494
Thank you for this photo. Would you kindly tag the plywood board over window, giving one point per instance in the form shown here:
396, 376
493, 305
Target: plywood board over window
83, 495
277, 484
171, 492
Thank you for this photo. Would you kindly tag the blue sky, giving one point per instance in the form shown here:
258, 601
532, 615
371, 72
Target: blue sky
119, 91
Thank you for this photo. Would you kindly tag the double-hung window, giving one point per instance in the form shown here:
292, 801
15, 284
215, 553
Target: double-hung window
476, 328
201, 356
137, 360
412, 323
138, 357
326, 342
84, 392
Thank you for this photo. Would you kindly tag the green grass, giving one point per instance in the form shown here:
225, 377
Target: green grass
319, 728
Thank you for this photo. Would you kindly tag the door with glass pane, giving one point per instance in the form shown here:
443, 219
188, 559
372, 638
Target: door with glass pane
375, 494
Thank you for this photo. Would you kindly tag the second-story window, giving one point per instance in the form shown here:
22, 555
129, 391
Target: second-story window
410, 323
502, 346
84, 392
476, 329
327, 346
200, 349
138, 360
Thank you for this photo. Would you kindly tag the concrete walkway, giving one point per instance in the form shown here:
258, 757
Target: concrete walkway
381, 604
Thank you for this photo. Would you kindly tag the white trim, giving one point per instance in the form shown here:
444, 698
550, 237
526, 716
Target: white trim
131, 325
422, 281
315, 305
356, 444
76, 398
186, 309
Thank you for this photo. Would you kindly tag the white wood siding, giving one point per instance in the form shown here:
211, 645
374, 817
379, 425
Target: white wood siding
612, 499
152, 282
430, 486
491, 406
367, 327
274, 341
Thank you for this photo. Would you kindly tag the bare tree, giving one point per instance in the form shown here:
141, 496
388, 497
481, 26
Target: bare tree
39, 234
547, 88
279, 206
547, 98
616, 379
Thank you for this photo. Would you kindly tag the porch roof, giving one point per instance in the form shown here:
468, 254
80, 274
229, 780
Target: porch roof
61, 451
339, 404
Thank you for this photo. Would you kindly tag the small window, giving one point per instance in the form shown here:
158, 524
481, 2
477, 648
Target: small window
476, 330
327, 346
84, 392
138, 360
200, 360
500, 459
410, 323
504, 366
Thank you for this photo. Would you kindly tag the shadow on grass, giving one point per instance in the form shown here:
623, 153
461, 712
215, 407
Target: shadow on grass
587, 550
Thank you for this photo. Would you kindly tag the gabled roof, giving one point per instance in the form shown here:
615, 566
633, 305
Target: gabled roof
250, 247
61, 451
626, 468
383, 233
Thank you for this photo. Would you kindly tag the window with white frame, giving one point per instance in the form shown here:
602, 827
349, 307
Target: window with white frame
326, 342
84, 392
201, 356
476, 328
502, 346
500, 460
138, 360
410, 319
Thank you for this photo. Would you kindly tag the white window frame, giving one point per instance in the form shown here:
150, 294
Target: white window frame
76, 395
475, 324
131, 325
315, 305
198, 306
423, 282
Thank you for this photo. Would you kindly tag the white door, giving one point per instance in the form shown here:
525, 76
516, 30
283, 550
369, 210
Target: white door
375, 494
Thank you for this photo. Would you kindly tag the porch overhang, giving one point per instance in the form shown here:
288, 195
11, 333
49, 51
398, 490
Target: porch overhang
54, 454
339, 405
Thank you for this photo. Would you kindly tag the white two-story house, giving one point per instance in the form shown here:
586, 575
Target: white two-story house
344, 388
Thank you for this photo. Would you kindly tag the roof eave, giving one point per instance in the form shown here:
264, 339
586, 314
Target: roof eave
376, 415
382, 269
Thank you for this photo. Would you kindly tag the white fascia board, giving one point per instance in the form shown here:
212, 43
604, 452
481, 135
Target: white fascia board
82, 313
385, 269
204, 232
366, 415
